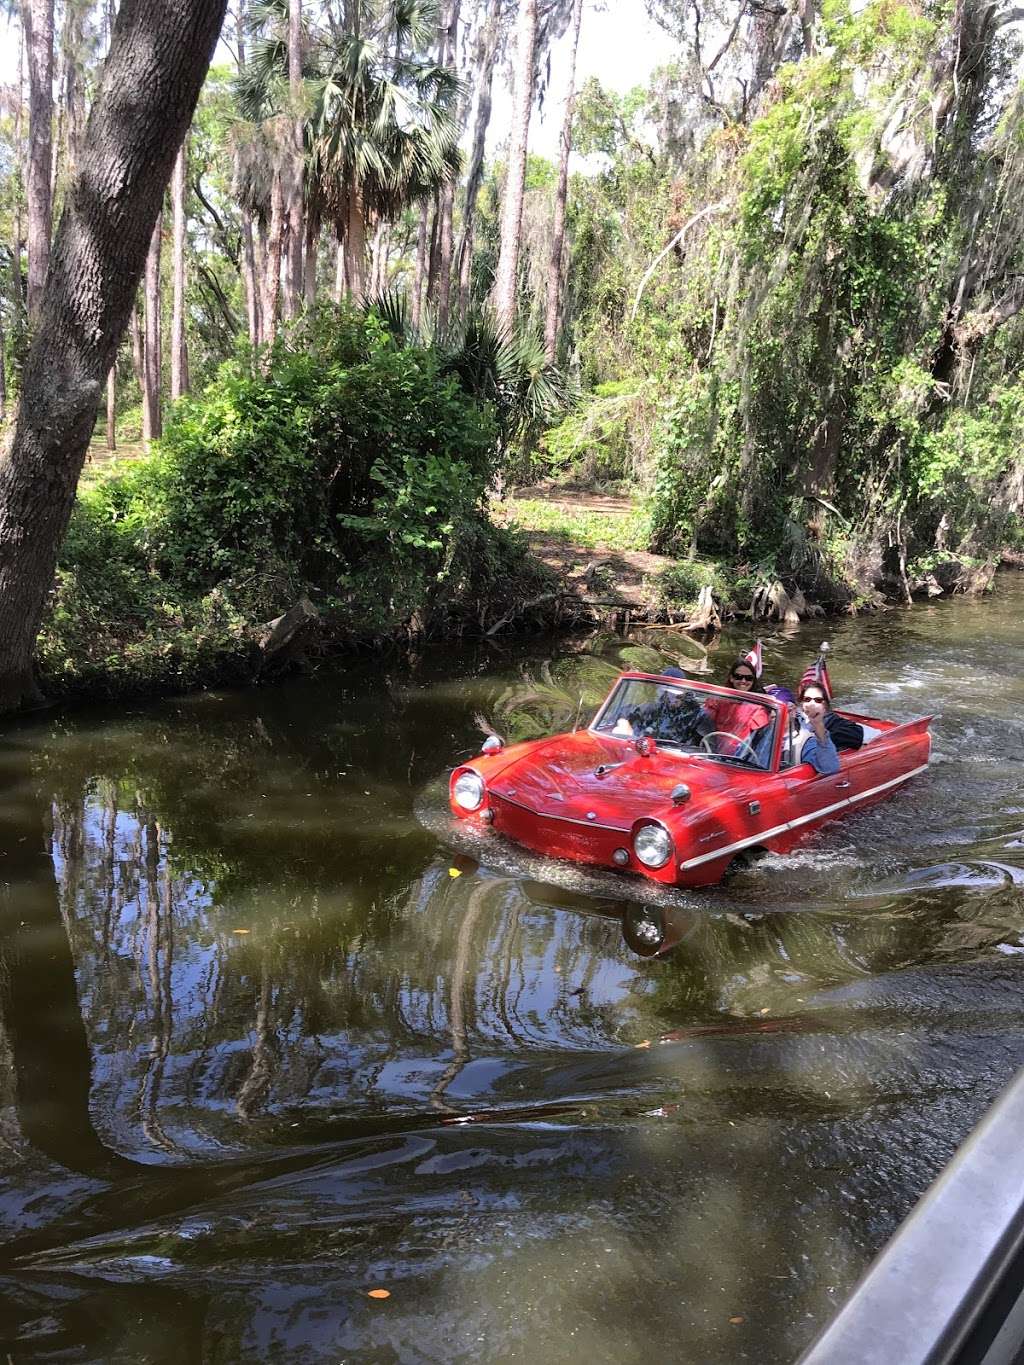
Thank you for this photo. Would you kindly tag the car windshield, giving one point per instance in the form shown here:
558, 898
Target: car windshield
716, 725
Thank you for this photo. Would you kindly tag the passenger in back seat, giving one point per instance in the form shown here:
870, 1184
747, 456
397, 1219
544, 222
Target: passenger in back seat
844, 734
814, 744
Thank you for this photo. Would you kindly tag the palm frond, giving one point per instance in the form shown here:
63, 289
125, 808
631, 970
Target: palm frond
392, 307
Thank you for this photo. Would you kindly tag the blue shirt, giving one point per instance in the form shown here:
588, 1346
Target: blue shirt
823, 757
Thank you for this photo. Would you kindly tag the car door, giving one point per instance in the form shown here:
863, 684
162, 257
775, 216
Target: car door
812, 797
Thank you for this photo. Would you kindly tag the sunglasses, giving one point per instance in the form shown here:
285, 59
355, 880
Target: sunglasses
820, 700
742, 677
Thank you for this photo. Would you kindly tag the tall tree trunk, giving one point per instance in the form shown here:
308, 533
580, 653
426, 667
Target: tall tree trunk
419, 273
250, 267
515, 180
70, 86
355, 247
250, 281
442, 292
296, 229
179, 352
38, 19
3, 375
151, 79
271, 301
289, 303
375, 241
339, 271
309, 265
112, 407
808, 18
432, 252
62, 59
381, 252
138, 354
17, 279
561, 194
151, 355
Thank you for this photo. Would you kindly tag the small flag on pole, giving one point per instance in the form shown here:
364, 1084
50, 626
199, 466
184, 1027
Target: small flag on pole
755, 658
818, 673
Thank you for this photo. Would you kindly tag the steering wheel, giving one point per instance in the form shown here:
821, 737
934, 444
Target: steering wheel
728, 734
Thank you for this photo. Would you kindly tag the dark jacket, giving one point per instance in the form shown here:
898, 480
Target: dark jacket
844, 734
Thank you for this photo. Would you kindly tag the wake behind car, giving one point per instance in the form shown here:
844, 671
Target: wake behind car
674, 781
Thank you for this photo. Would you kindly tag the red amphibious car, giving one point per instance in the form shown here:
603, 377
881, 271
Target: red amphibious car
675, 780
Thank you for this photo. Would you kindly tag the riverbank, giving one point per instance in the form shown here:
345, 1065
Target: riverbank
331, 498
339, 500
551, 559
596, 544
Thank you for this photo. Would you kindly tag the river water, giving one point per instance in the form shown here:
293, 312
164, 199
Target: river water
288, 1075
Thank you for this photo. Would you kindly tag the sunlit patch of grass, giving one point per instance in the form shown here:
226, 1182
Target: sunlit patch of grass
578, 526
101, 463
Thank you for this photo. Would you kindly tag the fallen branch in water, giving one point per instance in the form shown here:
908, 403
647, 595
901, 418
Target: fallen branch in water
519, 610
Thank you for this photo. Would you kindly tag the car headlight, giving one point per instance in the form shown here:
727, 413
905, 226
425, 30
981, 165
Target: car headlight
468, 790
652, 845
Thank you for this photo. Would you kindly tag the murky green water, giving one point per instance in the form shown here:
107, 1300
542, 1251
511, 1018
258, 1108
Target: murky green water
267, 1043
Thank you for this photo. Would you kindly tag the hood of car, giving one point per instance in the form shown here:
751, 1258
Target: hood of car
599, 778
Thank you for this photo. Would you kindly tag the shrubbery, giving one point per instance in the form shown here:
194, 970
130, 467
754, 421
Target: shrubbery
354, 468
817, 297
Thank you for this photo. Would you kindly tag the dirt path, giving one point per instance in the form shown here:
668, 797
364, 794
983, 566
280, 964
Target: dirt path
603, 575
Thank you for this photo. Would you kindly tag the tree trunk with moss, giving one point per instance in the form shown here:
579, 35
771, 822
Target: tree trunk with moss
515, 179
158, 58
37, 16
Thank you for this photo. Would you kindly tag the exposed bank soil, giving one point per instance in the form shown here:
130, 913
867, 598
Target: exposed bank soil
622, 581
602, 576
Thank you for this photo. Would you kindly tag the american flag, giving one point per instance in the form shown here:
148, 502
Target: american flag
817, 673
755, 658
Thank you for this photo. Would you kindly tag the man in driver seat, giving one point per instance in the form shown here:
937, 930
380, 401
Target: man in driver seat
676, 717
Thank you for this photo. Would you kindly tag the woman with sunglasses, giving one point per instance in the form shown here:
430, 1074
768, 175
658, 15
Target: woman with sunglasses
814, 744
735, 717
844, 734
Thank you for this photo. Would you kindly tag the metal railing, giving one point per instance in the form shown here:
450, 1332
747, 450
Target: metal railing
948, 1289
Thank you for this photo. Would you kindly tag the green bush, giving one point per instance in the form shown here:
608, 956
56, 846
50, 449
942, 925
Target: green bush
679, 586
594, 445
354, 469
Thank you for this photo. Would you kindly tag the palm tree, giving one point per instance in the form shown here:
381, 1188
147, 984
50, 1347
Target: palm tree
381, 129
384, 130
493, 363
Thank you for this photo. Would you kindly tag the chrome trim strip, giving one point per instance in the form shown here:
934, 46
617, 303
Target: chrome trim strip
565, 819
818, 814
893, 782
